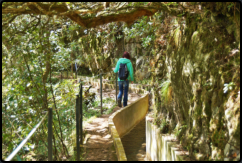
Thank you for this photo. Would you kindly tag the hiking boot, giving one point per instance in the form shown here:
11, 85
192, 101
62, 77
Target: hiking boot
119, 103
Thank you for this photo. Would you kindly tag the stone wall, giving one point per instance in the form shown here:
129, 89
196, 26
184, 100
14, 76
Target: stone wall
199, 58
123, 120
162, 147
202, 56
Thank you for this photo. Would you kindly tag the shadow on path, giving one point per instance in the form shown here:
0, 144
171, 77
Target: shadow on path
100, 145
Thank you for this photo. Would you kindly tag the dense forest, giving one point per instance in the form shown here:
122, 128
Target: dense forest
188, 53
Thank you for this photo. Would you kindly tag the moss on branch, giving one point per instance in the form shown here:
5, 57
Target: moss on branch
95, 19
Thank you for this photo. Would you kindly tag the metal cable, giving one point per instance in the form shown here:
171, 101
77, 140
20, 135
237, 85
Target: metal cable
58, 109
100, 74
107, 72
15, 151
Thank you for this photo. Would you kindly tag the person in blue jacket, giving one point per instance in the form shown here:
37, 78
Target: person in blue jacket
125, 83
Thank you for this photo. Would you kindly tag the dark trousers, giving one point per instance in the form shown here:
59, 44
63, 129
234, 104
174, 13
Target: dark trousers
125, 85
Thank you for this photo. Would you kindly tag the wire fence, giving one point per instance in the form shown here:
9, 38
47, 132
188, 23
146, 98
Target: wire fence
17, 149
79, 110
79, 115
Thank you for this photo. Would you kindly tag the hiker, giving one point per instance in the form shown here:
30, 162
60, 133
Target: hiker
120, 67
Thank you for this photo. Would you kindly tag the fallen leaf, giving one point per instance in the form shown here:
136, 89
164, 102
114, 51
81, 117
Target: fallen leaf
234, 155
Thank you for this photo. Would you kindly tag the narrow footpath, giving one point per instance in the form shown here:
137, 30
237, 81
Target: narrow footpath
100, 146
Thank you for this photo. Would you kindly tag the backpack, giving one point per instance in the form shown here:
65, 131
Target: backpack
123, 72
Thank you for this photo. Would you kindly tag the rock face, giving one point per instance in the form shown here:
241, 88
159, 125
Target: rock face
195, 77
200, 58
199, 65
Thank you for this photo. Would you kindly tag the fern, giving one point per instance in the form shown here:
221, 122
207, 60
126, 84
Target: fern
166, 91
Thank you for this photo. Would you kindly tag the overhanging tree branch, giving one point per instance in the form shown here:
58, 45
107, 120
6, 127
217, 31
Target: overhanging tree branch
90, 18
12, 19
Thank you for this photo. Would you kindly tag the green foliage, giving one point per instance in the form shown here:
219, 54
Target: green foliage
144, 81
144, 29
96, 103
108, 100
166, 91
169, 3
146, 41
229, 6
179, 129
27, 48
229, 86
180, 15
110, 110
157, 121
164, 126
24, 61
94, 110
90, 113
19, 159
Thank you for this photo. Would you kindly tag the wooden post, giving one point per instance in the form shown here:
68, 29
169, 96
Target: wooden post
77, 129
101, 93
50, 135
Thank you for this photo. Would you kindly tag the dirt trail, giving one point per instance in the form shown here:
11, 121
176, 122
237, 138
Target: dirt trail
100, 146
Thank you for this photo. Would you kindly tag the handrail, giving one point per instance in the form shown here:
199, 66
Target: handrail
78, 118
112, 128
15, 151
